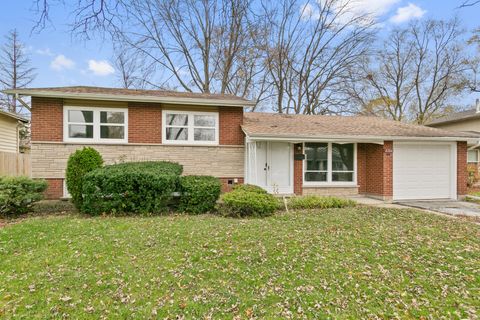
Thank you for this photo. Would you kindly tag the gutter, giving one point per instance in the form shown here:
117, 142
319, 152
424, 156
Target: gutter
130, 98
355, 138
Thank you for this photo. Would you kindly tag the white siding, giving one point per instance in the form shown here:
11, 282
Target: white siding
8, 134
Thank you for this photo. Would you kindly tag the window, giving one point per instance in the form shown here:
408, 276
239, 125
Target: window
185, 127
472, 156
329, 163
87, 124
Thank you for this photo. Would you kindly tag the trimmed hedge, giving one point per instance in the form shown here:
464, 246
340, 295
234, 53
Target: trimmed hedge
249, 188
79, 164
317, 202
199, 193
243, 203
18, 194
135, 187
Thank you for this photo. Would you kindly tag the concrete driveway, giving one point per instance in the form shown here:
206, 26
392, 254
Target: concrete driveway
454, 208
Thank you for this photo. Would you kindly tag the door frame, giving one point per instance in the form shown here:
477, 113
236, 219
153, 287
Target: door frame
268, 187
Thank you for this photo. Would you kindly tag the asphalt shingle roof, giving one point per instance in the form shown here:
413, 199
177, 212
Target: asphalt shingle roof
457, 116
94, 92
317, 126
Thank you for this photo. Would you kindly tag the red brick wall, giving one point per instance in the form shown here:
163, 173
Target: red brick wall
462, 173
226, 187
375, 169
144, 123
388, 169
47, 119
361, 167
54, 189
298, 171
231, 118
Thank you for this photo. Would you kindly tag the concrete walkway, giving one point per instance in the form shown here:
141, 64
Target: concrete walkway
453, 208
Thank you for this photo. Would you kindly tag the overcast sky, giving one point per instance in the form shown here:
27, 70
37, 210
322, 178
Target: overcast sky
62, 60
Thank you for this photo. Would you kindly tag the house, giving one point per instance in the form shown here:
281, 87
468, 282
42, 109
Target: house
467, 121
210, 134
10, 124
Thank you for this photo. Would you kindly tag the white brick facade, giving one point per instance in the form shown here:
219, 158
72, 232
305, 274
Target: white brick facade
49, 159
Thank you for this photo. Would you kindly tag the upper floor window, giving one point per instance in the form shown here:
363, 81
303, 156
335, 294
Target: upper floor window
189, 127
89, 124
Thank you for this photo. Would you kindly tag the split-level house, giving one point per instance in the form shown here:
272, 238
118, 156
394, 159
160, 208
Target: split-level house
212, 134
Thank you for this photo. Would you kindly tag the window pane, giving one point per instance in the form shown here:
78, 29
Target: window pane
317, 156
472, 156
204, 134
177, 134
204, 121
80, 116
315, 176
177, 119
112, 132
112, 117
342, 157
80, 131
342, 176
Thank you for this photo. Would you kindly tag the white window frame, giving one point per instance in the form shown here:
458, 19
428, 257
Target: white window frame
190, 126
329, 181
478, 157
96, 125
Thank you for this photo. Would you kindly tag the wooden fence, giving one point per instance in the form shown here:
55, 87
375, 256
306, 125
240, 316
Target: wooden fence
15, 164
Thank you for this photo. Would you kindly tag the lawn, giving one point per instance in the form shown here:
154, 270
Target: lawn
337, 263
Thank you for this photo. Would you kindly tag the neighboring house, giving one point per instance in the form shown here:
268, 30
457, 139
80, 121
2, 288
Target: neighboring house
467, 121
10, 125
210, 134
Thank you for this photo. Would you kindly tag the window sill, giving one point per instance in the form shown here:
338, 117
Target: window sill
330, 185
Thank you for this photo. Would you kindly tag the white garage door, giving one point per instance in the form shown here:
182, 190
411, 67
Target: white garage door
424, 171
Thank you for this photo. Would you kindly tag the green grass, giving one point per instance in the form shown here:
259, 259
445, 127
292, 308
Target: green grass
337, 263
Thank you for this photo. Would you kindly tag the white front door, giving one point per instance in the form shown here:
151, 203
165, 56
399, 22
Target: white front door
274, 167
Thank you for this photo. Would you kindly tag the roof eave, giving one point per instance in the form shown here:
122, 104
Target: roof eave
357, 138
129, 98
14, 116
434, 124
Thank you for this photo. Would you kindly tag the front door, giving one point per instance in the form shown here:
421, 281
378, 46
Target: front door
273, 167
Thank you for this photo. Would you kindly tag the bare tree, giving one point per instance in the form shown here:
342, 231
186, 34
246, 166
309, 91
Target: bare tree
415, 73
15, 68
386, 84
313, 48
439, 67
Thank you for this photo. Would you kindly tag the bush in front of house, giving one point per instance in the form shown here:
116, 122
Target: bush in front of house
249, 188
79, 164
318, 202
18, 194
243, 202
199, 194
135, 187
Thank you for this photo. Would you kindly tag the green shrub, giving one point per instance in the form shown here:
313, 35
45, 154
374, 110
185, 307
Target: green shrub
249, 188
79, 164
317, 202
140, 187
159, 167
199, 193
241, 203
17, 194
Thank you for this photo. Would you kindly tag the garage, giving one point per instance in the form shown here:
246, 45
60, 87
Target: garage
424, 171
